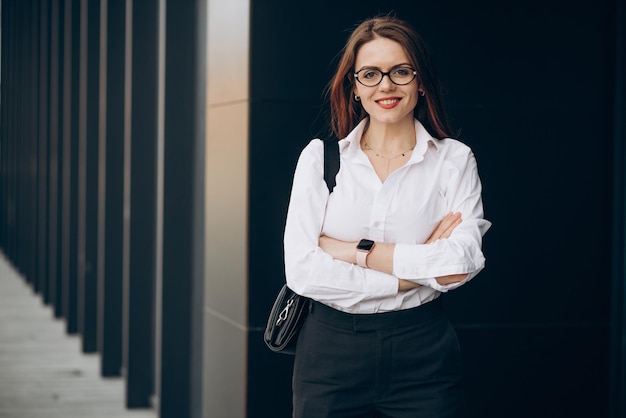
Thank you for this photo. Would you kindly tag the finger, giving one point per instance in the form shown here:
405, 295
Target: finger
442, 226
451, 227
451, 220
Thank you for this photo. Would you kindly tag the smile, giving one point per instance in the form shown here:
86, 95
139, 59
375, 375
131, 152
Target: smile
388, 103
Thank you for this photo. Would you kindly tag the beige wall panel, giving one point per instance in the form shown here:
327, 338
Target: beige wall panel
228, 55
225, 369
226, 217
226, 214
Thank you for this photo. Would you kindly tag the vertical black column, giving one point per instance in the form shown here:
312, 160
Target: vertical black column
42, 137
110, 298
8, 62
30, 150
139, 319
69, 177
87, 187
81, 167
618, 291
39, 266
71, 311
12, 46
92, 207
4, 55
8, 105
88, 175
55, 104
18, 152
180, 363
31, 259
16, 140
61, 160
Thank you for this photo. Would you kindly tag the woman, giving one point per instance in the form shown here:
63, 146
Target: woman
403, 224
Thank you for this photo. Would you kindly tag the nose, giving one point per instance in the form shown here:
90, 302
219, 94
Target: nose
386, 83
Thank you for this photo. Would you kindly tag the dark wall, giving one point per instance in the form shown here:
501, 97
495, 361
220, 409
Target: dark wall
534, 98
530, 87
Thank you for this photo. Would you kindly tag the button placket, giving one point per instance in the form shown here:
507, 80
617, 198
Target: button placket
380, 208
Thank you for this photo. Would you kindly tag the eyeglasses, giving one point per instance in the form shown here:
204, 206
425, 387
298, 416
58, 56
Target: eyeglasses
400, 76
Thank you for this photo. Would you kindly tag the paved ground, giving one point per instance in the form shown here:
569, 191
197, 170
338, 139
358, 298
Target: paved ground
43, 374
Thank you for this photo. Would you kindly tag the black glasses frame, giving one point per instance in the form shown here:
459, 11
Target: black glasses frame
383, 74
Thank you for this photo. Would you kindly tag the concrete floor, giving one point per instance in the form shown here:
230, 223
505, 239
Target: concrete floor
43, 373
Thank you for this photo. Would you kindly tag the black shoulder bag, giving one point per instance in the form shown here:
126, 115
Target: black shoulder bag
290, 309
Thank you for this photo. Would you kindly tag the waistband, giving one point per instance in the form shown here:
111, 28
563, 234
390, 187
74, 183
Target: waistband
378, 321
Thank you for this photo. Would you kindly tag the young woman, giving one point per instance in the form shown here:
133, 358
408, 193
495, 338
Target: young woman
403, 224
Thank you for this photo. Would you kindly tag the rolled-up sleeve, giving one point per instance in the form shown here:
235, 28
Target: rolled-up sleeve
460, 253
309, 270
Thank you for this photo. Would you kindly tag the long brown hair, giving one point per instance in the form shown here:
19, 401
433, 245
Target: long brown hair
346, 113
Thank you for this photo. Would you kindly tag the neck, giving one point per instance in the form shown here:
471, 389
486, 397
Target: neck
390, 138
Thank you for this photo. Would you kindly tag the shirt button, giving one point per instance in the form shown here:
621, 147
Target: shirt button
377, 224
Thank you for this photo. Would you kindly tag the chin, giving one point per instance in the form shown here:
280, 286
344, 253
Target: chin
391, 119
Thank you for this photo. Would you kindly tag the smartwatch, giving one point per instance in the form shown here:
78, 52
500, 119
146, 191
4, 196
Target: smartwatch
363, 248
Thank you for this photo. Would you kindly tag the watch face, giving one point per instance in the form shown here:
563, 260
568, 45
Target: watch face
365, 245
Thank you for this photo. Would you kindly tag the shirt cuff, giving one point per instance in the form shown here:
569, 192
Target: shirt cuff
434, 284
363, 283
380, 285
413, 262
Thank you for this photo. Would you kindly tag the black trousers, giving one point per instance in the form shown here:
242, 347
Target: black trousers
403, 364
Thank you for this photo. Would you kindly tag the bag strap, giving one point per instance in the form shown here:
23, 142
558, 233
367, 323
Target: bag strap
331, 162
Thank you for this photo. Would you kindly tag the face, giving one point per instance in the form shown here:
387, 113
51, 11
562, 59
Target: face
386, 103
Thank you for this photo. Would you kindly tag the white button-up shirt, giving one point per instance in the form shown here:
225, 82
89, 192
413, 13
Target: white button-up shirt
441, 176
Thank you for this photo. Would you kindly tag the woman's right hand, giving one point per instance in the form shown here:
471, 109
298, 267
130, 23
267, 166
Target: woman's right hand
445, 227
443, 230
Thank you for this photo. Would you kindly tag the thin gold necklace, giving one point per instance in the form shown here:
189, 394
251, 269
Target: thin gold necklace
389, 159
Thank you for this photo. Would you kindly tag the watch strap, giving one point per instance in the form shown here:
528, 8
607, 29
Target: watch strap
361, 258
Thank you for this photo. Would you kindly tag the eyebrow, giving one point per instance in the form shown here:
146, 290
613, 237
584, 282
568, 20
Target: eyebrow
371, 67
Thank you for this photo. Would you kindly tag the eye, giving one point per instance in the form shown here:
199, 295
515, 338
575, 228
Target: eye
369, 74
402, 72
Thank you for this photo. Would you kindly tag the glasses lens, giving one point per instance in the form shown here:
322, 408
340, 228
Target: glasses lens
369, 77
402, 75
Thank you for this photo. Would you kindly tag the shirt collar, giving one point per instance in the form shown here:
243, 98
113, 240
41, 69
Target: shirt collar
351, 145
422, 141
